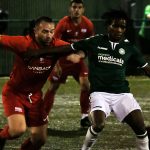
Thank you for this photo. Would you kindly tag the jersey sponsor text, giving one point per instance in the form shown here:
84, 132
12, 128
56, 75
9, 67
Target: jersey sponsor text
110, 59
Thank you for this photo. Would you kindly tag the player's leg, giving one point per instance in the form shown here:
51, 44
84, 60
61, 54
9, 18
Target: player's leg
80, 74
37, 139
98, 119
37, 122
99, 109
15, 128
84, 101
130, 113
136, 122
14, 111
54, 83
148, 132
50, 95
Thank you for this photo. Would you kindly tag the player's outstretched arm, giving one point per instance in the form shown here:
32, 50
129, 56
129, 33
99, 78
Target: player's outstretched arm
59, 50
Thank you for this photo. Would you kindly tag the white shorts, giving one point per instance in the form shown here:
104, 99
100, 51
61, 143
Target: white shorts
120, 104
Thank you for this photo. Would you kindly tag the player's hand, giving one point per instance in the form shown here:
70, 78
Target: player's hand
74, 58
58, 69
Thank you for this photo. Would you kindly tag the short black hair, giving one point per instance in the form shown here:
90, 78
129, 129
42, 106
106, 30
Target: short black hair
42, 18
3, 14
112, 14
76, 1
30, 29
3, 20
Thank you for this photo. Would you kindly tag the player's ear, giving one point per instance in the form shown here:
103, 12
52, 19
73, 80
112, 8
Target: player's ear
34, 30
69, 9
83, 10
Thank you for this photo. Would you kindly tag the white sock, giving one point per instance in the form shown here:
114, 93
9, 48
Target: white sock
142, 143
90, 139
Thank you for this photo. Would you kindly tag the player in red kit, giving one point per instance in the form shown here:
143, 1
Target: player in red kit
71, 29
22, 94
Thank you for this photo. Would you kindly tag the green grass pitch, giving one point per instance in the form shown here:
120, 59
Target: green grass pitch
64, 129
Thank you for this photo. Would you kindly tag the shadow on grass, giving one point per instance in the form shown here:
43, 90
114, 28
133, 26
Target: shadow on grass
67, 134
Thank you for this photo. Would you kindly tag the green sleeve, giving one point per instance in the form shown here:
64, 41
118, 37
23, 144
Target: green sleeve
138, 57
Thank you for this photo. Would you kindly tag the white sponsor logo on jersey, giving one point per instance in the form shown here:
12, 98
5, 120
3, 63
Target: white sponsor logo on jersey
46, 119
41, 59
121, 51
76, 33
85, 73
83, 30
102, 48
38, 70
106, 58
18, 109
69, 31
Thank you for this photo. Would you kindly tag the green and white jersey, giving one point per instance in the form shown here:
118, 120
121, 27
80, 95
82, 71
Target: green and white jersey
107, 62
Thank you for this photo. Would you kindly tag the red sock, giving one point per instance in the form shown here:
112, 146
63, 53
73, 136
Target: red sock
49, 101
4, 134
28, 145
84, 102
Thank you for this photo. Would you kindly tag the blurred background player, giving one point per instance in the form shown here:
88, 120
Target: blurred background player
71, 29
3, 21
144, 33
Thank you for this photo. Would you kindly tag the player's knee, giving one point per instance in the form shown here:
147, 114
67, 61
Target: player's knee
16, 132
38, 140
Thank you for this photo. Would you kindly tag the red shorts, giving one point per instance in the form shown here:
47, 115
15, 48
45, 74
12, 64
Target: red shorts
15, 103
69, 69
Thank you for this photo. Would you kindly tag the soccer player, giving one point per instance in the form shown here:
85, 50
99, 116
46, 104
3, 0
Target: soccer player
108, 56
3, 23
144, 33
22, 94
72, 28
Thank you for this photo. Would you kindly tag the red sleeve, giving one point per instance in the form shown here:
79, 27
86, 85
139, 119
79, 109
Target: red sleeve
60, 28
14, 43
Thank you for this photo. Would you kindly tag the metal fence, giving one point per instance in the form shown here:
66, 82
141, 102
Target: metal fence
17, 27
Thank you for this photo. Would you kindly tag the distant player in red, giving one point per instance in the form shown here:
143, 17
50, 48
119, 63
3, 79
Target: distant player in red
22, 95
71, 29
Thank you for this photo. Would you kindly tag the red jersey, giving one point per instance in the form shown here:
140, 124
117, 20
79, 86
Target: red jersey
67, 31
28, 78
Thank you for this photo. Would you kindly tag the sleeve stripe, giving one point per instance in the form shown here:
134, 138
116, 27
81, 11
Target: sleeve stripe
72, 47
144, 65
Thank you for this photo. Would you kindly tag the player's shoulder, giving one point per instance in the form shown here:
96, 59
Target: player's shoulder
64, 19
127, 42
28, 38
86, 19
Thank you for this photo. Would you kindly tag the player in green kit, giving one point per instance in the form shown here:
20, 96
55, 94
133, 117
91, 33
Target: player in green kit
108, 56
144, 33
